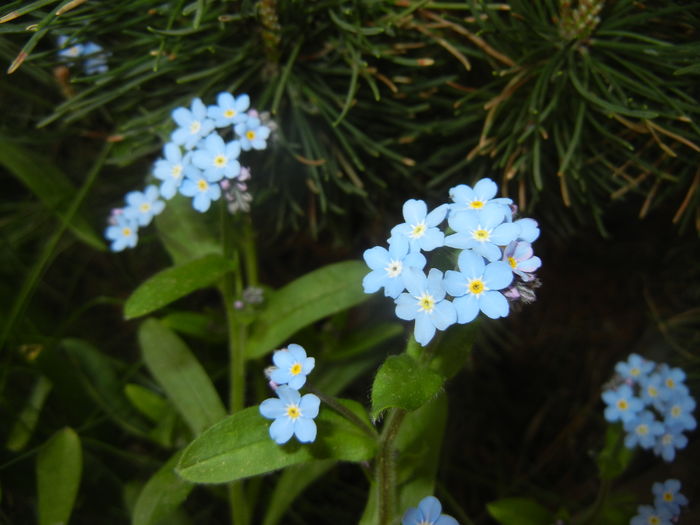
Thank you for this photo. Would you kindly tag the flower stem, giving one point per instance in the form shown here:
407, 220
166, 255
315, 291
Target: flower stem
385, 468
345, 412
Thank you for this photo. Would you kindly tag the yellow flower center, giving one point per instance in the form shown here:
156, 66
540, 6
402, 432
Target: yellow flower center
476, 204
393, 269
250, 134
426, 303
220, 161
481, 235
667, 439
195, 126
622, 404
176, 171
293, 411
202, 185
126, 232
652, 391
513, 263
654, 520
642, 430
635, 371
476, 287
417, 230
668, 496
230, 113
670, 383
676, 411
295, 369
145, 207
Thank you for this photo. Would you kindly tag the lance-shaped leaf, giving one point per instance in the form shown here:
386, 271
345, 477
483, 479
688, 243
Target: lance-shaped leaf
59, 466
240, 446
173, 283
402, 382
313, 296
519, 511
181, 375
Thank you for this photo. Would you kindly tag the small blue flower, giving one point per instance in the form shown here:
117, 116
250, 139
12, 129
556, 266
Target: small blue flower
467, 198
635, 368
482, 231
193, 124
96, 61
642, 430
671, 440
292, 414
476, 286
622, 404
203, 190
673, 381
218, 159
679, 411
143, 206
292, 366
229, 110
651, 387
388, 267
648, 515
420, 228
123, 233
521, 259
171, 169
667, 496
429, 512
252, 134
425, 302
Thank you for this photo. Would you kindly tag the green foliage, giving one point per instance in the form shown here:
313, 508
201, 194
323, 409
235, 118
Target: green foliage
27, 419
59, 467
614, 459
239, 446
519, 511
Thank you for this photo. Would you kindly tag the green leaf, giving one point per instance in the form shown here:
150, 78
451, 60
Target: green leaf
454, 348
181, 375
614, 459
197, 324
161, 495
313, 296
24, 426
146, 401
402, 383
59, 467
291, 483
240, 446
519, 511
49, 184
186, 233
173, 283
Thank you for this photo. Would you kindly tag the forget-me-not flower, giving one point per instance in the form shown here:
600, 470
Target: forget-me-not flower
483, 193
679, 411
671, 440
475, 287
429, 512
642, 430
252, 134
171, 169
521, 259
143, 205
667, 495
123, 233
229, 110
622, 404
193, 124
420, 228
293, 415
218, 159
425, 303
635, 368
202, 190
482, 230
673, 380
388, 267
648, 515
292, 366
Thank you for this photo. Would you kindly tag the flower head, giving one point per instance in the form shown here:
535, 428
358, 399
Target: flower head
388, 267
420, 228
483, 193
635, 368
429, 512
252, 134
642, 430
293, 415
669, 441
668, 496
648, 515
193, 124
123, 233
203, 190
143, 206
482, 231
292, 366
217, 158
171, 169
229, 110
519, 256
622, 404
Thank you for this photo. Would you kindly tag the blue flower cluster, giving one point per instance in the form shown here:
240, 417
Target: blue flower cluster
200, 161
429, 512
652, 403
495, 261
667, 505
95, 58
293, 413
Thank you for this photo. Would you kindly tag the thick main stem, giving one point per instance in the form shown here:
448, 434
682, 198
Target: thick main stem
386, 467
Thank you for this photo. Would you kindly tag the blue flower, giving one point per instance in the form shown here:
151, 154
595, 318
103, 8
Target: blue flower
218, 159
292, 366
648, 515
252, 134
635, 368
667, 496
420, 227
642, 430
519, 256
388, 267
96, 61
143, 206
476, 286
467, 198
429, 512
193, 124
292, 414
671, 440
171, 169
123, 233
482, 231
425, 302
229, 109
622, 405
203, 190
673, 381
679, 410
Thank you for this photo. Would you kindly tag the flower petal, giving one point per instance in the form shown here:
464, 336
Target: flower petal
494, 305
281, 430
467, 308
309, 405
305, 430
272, 408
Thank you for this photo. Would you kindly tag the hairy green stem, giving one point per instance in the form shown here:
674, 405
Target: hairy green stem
385, 469
345, 412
